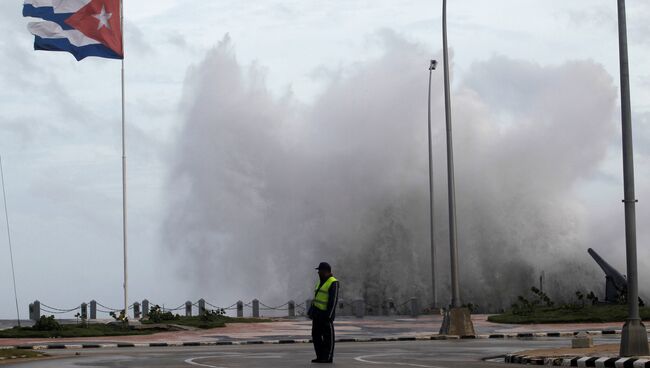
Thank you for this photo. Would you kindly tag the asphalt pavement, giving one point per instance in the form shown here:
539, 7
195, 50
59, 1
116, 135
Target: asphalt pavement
300, 328
468, 353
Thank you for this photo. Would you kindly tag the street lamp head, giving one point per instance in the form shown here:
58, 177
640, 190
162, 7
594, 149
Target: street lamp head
433, 65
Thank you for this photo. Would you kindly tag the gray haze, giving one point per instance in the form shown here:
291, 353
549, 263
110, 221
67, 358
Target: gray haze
263, 187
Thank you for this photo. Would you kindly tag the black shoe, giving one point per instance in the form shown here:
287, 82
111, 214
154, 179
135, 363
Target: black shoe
321, 361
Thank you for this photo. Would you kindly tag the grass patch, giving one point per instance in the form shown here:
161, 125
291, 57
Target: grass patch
91, 330
47, 327
19, 354
588, 314
206, 323
209, 319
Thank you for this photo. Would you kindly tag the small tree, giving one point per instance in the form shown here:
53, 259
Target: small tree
542, 297
523, 306
122, 317
592, 297
83, 318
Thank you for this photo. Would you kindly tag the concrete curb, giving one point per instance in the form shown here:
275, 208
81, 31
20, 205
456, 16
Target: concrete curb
215, 343
604, 362
520, 335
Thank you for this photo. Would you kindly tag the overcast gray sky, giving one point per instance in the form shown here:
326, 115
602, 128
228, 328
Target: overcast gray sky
60, 124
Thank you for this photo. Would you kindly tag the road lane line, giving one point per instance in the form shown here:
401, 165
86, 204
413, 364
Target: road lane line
364, 359
193, 361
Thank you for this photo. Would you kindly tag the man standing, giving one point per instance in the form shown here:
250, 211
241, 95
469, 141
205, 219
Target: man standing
322, 312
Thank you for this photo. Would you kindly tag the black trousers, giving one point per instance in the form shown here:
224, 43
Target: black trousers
322, 333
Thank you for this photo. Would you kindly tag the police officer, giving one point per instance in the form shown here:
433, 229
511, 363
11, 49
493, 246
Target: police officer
322, 312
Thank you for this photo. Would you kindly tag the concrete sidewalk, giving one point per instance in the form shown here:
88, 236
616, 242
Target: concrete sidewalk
348, 328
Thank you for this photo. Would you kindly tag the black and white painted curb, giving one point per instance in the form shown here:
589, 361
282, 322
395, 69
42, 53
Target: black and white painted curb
520, 335
604, 362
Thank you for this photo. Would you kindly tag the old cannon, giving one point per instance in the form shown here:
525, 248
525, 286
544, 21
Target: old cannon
615, 282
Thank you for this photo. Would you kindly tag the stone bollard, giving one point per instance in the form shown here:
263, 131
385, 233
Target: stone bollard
240, 309
145, 308
292, 309
188, 309
93, 309
256, 308
201, 307
359, 308
582, 340
84, 311
136, 311
415, 307
37, 310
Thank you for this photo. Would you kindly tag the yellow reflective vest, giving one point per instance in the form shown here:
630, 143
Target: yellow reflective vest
321, 295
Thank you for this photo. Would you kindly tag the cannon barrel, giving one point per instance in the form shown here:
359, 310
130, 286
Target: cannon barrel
617, 278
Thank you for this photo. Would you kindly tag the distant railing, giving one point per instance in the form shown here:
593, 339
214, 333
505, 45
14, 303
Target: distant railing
358, 308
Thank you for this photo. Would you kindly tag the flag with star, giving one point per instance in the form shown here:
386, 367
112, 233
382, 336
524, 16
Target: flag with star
81, 27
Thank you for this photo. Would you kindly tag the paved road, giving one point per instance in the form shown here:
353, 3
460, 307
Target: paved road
423, 354
300, 328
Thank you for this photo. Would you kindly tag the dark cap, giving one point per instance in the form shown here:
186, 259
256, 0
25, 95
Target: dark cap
324, 266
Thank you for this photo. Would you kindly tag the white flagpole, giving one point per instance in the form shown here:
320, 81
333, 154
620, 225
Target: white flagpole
126, 287
11, 252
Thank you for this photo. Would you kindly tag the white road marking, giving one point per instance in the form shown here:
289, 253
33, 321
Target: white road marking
364, 359
193, 361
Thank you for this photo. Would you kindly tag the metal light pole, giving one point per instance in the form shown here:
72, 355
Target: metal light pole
457, 320
432, 67
634, 341
455, 293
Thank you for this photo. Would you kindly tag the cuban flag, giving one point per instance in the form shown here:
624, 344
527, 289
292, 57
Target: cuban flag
81, 27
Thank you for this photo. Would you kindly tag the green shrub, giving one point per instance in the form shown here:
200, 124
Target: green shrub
122, 317
46, 324
156, 315
212, 315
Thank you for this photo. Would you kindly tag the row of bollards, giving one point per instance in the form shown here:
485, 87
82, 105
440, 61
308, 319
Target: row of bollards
357, 308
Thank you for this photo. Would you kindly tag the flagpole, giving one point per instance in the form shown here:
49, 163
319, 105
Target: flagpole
11, 252
126, 284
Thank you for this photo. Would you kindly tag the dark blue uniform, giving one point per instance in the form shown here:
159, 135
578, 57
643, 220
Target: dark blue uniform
322, 328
